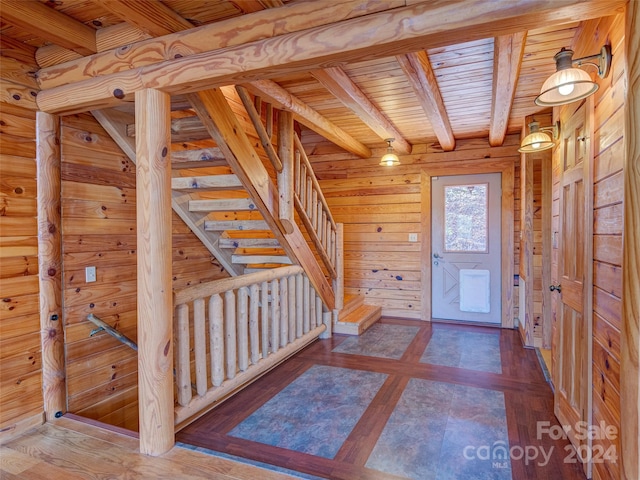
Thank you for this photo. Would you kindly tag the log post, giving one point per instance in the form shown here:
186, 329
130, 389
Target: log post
630, 365
327, 319
155, 320
285, 177
50, 264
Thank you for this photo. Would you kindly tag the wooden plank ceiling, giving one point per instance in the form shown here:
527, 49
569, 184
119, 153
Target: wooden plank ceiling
482, 87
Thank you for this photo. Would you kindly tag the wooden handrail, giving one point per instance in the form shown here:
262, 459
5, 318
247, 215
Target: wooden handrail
316, 184
263, 133
214, 287
112, 331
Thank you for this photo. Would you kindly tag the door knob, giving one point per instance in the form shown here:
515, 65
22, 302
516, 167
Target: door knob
556, 287
435, 255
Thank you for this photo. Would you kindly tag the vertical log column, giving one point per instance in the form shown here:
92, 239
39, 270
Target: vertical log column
285, 177
155, 332
50, 264
630, 367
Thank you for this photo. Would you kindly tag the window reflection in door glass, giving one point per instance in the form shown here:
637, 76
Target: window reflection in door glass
466, 218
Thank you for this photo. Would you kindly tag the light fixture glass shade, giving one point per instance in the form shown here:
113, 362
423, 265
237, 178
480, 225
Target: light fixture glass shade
389, 159
538, 140
535, 142
566, 86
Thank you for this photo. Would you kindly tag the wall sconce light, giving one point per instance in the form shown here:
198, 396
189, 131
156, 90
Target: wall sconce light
569, 84
389, 159
538, 140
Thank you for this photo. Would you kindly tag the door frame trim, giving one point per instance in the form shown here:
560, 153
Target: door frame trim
504, 166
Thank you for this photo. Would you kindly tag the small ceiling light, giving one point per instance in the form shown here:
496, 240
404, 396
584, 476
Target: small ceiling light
537, 140
569, 84
389, 159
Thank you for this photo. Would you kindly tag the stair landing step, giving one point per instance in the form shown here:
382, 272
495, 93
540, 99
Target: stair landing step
359, 320
351, 303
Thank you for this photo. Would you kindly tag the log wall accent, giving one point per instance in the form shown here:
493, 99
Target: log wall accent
535, 210
99, 229
380, 206
21, 402
50, 264
607, 138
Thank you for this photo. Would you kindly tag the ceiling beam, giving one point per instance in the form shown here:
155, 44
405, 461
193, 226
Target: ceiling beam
156, 19
248, 28
307, 116
508, 51
50, 24
152, 17
256, 5
372, 36
344, 89
417, 68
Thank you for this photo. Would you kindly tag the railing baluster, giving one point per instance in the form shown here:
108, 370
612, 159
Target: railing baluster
318, 310
230, 332
308, 200
306, 304
264, 300
243, 328
312, 307
323, 233
216, 339
284, 311
200, 345
333, 246
183, 372
275, 315
292, 308
312, 208
297, 172
254, 320
299, 305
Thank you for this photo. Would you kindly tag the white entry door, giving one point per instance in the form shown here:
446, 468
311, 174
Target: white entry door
465, 248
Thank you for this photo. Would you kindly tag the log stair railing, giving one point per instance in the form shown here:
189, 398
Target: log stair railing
229, 332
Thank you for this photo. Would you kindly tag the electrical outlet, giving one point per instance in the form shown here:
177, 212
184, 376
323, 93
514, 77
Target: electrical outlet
413, 237
90, 274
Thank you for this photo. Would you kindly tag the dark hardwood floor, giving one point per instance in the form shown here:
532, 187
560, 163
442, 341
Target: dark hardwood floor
366, 448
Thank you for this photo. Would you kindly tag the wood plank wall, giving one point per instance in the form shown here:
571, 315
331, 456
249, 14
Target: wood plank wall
379, 207
21, 400
608, 141
99, 229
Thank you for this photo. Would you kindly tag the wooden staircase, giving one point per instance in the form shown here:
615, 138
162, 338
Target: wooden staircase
356, 317
230, 193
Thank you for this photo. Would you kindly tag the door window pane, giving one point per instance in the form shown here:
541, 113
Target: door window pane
466, 218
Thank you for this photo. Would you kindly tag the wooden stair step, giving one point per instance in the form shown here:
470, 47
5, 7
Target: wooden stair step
359, 320
351, 303
222, 205
251, 259
221, 226
248, 243
195, 156
206, 182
